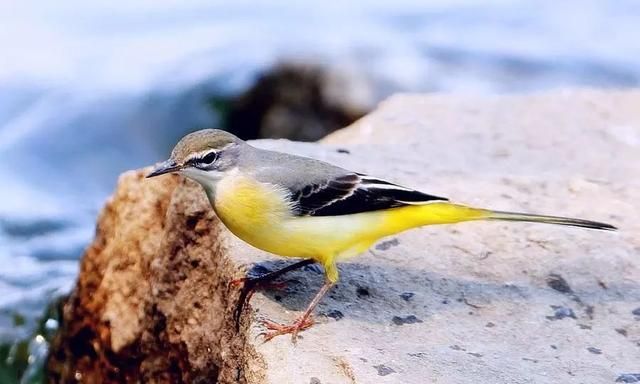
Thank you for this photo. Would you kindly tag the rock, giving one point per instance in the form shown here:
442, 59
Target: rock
300, 101
153, 301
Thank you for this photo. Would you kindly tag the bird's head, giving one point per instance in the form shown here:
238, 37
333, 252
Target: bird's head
204, 156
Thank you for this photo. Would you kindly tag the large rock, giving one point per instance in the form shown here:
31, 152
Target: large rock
300, 100
482, 302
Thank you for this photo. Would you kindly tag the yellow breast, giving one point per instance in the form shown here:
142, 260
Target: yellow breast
248, 208
260, 214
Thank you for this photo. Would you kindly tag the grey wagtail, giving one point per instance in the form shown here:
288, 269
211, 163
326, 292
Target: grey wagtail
294, 206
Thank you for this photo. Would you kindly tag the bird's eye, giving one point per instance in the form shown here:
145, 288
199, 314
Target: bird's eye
209, 158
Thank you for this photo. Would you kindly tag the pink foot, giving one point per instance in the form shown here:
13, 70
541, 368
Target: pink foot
277, 329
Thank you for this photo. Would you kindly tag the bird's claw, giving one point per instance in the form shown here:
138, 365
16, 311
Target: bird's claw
276, 329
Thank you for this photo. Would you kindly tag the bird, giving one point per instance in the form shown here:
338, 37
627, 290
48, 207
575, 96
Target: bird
299, 207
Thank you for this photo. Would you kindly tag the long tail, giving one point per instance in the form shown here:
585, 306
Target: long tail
515, 216
445, 212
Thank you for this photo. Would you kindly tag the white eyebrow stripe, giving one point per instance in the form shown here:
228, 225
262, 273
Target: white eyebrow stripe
201, 154
205, 153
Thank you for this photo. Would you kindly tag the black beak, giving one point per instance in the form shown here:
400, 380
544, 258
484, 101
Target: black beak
164, 167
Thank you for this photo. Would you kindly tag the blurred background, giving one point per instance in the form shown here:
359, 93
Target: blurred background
91, 89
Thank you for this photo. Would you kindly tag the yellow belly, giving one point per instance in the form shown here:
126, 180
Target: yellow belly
259, 214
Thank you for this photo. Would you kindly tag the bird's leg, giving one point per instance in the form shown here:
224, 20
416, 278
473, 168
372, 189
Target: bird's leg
302, 323
249, 285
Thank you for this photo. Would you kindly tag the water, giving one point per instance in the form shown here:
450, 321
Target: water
90, 89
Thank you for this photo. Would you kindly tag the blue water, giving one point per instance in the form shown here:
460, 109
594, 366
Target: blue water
90, 89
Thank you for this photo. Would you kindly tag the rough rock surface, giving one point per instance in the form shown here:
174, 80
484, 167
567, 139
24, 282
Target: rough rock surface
484, 302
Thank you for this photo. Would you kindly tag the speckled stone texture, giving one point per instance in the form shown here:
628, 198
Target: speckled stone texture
483, 302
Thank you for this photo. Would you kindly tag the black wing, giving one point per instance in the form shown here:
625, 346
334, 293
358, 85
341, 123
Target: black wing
354, 193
